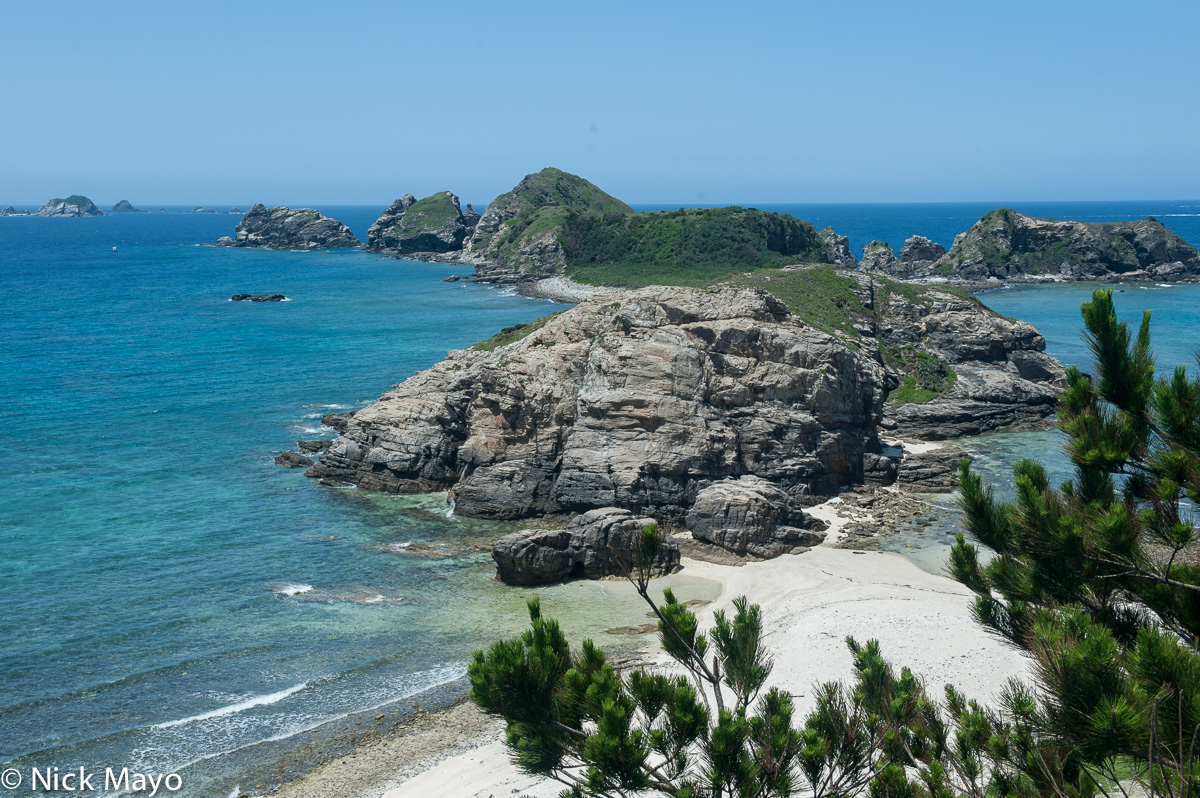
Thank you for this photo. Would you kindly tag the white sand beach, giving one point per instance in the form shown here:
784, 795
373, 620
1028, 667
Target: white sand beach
811, 602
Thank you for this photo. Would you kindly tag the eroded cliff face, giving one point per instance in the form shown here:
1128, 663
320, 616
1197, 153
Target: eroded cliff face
636, 399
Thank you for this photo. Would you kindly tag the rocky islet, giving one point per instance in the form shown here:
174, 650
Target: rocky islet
289, 228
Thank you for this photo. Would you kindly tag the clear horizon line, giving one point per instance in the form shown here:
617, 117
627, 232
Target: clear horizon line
223, 206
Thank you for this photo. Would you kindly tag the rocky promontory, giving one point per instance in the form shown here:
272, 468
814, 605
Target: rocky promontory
1006, 245
289, 228
125, 206
644, 399
434, 224
74, 205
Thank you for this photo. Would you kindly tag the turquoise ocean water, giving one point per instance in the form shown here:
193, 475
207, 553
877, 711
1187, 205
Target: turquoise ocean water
169, 597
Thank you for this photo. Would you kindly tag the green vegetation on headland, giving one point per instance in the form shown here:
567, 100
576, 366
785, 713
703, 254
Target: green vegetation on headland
555, 222
510, 335
685, 247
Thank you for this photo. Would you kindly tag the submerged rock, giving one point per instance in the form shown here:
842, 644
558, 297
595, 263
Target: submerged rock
595, 544
258, 298
751, 516
291, 228
337, 421
293, 460
74, 205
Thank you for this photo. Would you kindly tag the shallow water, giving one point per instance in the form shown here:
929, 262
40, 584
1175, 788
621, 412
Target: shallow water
167, 594
1054, 310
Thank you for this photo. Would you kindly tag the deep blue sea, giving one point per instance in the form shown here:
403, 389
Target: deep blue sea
168, 596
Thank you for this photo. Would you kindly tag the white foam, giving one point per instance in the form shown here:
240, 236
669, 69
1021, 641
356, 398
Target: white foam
292, 589
232, 709
331, 407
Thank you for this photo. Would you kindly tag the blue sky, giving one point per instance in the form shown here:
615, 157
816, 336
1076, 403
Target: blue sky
656, 102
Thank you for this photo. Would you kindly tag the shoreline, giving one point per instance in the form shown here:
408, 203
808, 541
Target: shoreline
812, 600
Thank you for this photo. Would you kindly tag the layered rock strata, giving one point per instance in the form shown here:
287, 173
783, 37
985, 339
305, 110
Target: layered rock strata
595, 544
289, 228
635, 399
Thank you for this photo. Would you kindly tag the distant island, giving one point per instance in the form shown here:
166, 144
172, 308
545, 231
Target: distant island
289, 228
11, 211
554, 223
74, 205
1008, 246
124, 206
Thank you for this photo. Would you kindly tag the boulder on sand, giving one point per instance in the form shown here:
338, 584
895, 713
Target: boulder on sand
595, 544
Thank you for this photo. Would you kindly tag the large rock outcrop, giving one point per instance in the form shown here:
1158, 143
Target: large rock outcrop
996, 372
917, 257
290, 228
11, 211
751, 516
839, 248
634, 399
125, 206
595, 544
434, 224
74, 205
878, 257
1006, 245
954, 367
